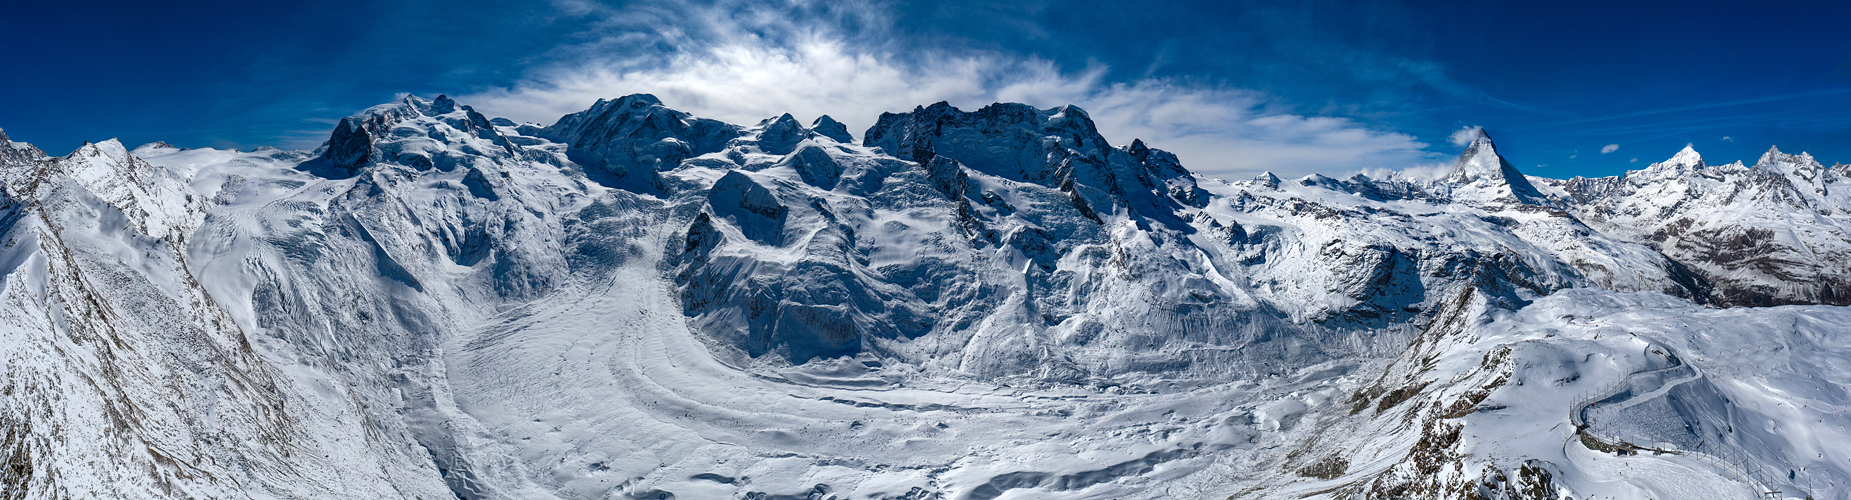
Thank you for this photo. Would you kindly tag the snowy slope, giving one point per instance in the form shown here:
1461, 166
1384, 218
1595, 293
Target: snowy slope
123, 377
1775, 233
635, 302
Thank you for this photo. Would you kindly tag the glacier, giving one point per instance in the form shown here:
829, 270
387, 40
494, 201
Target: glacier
635, 302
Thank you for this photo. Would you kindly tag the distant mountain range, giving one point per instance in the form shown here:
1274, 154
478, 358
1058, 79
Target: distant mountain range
634, 302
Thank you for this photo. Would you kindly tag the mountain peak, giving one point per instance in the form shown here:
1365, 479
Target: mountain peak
780, 135
634, 101
1477, 135
111, 148
635, 136
1481, 174
1481, 160
350, 146
1267, 179
1685, 159
1802, 166
442, 105
3, 137
829, 127
1137, 146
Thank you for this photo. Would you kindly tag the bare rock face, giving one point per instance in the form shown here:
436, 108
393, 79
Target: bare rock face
350, 148
635, 137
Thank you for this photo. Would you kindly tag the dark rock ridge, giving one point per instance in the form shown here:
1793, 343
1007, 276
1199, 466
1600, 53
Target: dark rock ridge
375, 135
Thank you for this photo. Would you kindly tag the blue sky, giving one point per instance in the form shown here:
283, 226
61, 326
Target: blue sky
1567, 88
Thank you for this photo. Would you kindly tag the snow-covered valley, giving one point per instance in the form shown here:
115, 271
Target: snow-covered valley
634, 302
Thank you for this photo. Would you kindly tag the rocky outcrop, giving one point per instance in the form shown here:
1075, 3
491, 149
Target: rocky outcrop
635, 137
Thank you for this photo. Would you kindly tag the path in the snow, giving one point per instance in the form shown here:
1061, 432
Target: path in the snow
1624, 395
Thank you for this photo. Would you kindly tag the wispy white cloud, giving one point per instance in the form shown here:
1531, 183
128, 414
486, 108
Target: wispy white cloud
1609, 148
1426, 172
1727, 138
775, 66
1464, 136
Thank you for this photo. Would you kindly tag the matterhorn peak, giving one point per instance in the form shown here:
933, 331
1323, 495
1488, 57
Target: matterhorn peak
1480, 160
3, 137
1477, 135
1482, 175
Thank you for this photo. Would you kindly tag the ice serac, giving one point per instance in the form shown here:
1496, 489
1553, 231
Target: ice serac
635, 137
1482, 176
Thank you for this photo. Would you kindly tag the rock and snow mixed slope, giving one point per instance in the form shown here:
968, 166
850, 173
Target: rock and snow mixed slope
1778, 232
634, 302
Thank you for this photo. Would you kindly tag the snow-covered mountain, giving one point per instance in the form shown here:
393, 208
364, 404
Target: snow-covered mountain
1775, 233
634, 302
